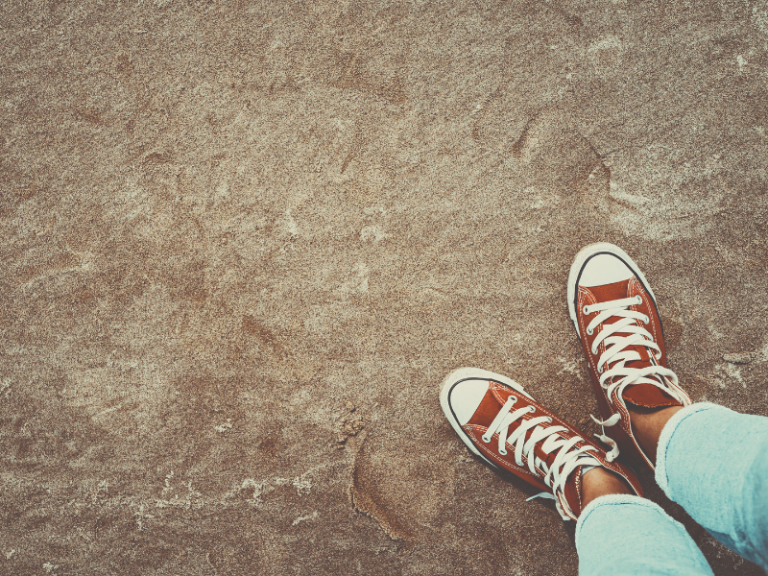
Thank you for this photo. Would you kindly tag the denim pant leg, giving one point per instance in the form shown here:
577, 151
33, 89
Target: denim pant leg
714, 463
623, 535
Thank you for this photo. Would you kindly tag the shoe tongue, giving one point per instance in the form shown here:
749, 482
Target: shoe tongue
608, 292
644, 395
619, 291
648, 396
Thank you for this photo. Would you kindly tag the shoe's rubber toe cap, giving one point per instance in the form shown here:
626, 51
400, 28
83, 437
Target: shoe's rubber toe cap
603, 269
465, 397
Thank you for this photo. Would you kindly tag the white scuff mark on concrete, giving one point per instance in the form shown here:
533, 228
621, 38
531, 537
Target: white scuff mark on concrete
302, 484
5, 387
373, 210
103, 485
140, 516
358, 284
48, 567
9, 554
258, 487
314, 323
224, 427
762, 355
726, 374
312, 516
740, 357
756, 356
108, 410
191, 491
168, 486
176, 502
293, 228
741, 61
628, 198
372, 233
570, 366
608, 43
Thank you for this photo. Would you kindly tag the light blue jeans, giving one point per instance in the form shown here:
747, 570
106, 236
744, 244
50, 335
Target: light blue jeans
714, 463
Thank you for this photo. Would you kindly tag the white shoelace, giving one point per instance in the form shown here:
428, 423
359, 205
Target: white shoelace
568, 457
617, 355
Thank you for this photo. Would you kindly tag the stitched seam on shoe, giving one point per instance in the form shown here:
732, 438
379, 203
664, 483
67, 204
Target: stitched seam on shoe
642, 294
583, 325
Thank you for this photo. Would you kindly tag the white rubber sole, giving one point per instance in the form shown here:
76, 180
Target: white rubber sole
581, 258
476, 374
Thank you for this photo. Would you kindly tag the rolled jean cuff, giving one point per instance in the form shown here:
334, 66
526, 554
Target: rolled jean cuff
666, 437
614, 500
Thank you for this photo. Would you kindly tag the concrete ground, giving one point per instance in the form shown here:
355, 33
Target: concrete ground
244, 242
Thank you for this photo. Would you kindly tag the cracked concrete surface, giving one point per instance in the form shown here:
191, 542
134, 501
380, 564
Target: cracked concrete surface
243, 242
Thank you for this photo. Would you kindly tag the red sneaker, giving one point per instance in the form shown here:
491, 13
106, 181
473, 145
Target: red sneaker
614, 311
502, 424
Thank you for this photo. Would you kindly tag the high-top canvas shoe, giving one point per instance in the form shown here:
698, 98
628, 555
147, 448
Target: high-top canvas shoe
500, 422
614, 311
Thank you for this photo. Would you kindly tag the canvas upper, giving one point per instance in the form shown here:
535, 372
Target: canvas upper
615, 314
502, 424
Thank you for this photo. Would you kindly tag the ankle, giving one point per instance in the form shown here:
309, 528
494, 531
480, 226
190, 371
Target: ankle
601, 482
647, 425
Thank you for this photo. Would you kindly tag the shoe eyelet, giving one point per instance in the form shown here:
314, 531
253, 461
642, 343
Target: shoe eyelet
503, 453
600, 370
531, 409
646, 320
590, 331
586, 310
484, 439
639, 299
549, 419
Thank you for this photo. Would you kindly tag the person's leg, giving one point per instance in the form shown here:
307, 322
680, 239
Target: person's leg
615, 315
658, 544
502, 424
621, 533
625, 535
714, 463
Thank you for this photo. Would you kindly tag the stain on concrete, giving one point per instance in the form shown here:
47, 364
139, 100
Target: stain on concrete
557, 155
408, 503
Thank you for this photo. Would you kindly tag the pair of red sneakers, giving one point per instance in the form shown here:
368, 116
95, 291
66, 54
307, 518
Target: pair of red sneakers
614, 311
